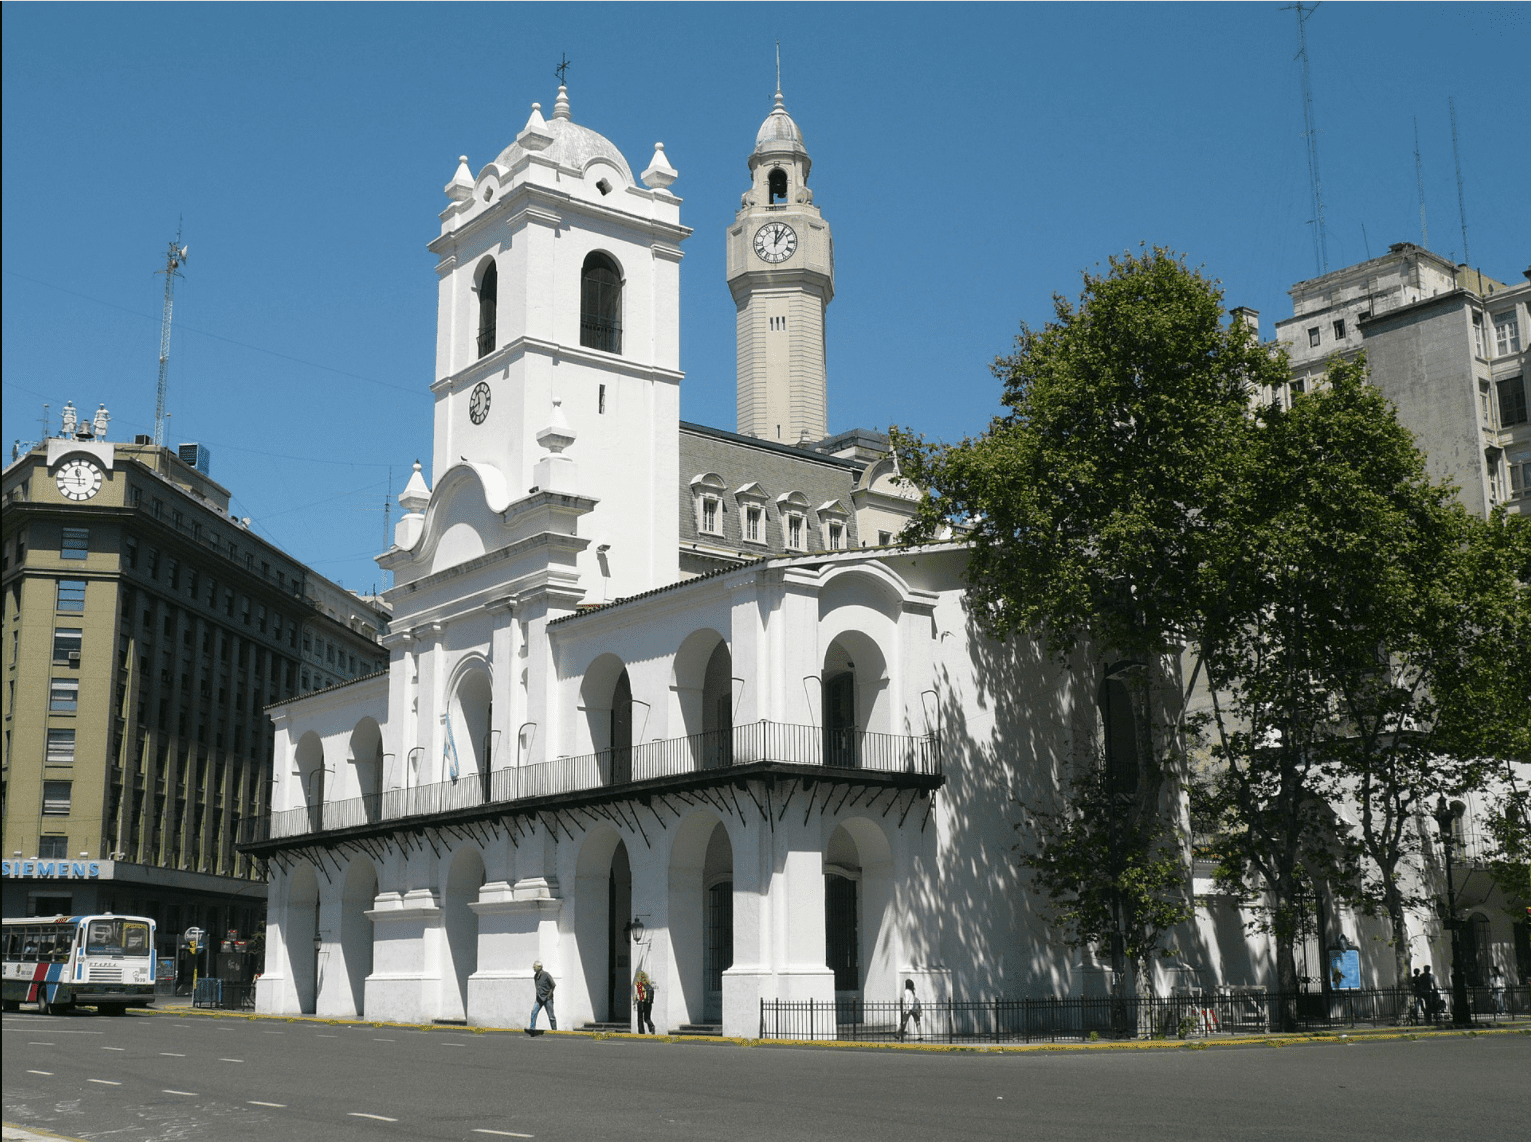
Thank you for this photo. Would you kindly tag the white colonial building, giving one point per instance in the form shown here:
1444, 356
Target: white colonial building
659, 696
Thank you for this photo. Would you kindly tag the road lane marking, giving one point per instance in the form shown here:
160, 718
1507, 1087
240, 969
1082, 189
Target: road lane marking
329, 1036
375, 1039
187, 1093
39, 1072
173, 1054
502, 1133
42, 1044
454, 1044
378, 1117
231, 1060
114, 1048
273, 1032
103, 1082
258, 1102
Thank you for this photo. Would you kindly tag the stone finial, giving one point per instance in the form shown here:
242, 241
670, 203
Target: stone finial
557, 435
660, 174
416, 495
535, 136
556, 472
561, 104
461, 186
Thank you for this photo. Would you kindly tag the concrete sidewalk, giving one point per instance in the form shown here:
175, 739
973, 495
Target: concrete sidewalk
9, 1133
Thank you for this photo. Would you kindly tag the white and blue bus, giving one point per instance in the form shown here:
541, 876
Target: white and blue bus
104, 961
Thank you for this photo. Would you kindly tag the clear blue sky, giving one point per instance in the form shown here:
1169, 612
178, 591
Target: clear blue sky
971, 160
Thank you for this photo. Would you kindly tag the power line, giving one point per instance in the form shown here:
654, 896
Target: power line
225, 340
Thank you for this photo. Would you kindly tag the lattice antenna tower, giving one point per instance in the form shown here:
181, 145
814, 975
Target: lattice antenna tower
175, 258
1310, 133
1456, 156
1419, 177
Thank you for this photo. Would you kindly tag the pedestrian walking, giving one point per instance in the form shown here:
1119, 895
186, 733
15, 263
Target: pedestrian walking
1417, 1004
643, 992
1496, 983
909, 1006
1431, 995
544, 985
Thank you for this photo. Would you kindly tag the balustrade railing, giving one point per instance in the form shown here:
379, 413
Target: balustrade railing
750, 744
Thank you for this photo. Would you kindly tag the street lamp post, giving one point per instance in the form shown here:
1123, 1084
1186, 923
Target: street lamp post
1445, 819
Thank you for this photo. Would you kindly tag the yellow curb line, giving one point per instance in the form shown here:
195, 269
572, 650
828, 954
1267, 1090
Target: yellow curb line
1343, 1038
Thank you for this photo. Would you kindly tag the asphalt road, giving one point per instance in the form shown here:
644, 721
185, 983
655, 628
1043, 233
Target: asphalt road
171, 1076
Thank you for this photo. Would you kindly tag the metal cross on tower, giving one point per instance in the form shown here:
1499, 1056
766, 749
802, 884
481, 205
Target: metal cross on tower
562, 68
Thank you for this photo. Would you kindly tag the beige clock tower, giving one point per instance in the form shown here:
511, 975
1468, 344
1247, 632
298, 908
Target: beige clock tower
781, 270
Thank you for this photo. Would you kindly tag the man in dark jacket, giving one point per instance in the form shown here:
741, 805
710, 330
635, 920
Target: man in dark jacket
544, 985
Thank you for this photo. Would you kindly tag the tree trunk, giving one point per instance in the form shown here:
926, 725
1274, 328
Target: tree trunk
1403, 960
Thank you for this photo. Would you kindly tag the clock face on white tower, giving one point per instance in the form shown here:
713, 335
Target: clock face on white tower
78, 480
478, 403
775, 242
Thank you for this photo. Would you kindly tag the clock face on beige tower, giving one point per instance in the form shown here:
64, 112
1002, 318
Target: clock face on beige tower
78, 479
775, 242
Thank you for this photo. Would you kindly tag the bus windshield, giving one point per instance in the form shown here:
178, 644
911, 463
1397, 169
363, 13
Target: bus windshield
117, 938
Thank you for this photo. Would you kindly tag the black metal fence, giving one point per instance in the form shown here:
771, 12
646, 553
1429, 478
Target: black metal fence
1231, 1011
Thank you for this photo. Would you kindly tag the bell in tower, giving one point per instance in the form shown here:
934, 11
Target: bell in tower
781, 271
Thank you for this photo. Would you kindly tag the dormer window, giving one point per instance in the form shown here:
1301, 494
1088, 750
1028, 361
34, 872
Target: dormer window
776, 185
600, 304
708, 490
488, 306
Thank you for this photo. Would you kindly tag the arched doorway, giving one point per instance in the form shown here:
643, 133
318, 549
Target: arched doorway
858, 895
310, 761
619, 911
470, 740
301, 936
463, 883
621, 731
718, 921
718, 709
367, 761
357, 898
842, 731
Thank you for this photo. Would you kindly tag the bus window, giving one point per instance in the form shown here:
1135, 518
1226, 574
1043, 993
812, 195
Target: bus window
43, 949
103, 938
135, 938
63, 945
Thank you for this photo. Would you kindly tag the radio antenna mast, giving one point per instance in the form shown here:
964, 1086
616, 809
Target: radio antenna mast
1320, 240
175, 258
1419, 177
388, 510
1456, 156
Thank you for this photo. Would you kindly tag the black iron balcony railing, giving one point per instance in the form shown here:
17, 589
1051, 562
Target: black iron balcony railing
603, 335
754, 743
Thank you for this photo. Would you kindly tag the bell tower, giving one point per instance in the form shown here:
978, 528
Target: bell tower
781, 271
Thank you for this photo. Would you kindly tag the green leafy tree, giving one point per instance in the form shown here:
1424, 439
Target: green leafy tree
1451, 707
1091, 507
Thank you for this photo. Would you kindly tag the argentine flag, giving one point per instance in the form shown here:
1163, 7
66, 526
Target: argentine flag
450, 753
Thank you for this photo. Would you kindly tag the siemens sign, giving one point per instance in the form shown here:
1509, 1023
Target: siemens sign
52, 870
